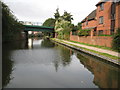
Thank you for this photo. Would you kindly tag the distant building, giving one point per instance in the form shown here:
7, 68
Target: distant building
105, 19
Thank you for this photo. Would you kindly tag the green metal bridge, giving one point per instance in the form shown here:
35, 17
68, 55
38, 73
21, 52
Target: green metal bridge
38, 28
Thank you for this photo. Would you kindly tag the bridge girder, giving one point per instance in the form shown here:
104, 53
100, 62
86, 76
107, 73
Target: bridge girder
38, 28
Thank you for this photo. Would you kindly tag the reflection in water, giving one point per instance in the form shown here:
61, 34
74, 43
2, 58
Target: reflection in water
41, 63
30, 43
105, 76
7, 66
64, 58
7, 62
35, 42
47, 43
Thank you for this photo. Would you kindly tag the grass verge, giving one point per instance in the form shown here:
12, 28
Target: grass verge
103, 47
99, 53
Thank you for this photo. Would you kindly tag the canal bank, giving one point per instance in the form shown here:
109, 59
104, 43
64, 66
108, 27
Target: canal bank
106, 56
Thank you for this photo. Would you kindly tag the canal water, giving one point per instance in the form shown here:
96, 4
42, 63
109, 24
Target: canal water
39, 63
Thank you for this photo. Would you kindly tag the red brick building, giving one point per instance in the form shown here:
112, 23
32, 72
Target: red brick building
104, 20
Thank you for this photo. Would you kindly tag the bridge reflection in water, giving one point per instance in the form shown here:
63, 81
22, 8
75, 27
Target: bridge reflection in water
71, 68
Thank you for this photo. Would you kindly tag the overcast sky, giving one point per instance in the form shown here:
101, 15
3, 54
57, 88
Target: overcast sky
40, 10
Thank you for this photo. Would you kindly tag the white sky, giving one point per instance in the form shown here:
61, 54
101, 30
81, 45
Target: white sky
40, 10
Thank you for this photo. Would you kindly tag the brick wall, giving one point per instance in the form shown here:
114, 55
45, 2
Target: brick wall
106, 13
117, 23
95, 40
91, 23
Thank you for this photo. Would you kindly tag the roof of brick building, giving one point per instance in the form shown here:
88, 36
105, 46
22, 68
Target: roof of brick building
91, 16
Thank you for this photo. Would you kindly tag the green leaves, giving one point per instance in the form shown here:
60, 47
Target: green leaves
116, 41
67, 16
11, 28
50, 22
63, 29
83, 33
63, 24
57, 15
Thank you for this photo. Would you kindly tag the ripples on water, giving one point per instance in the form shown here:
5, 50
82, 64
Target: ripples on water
44, 64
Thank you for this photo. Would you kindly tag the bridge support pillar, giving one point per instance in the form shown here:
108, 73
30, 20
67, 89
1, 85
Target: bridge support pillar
26, 35
53, 35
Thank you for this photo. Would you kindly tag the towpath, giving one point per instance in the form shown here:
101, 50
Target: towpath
95, 49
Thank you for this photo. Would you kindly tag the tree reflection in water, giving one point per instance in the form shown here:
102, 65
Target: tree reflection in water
64, 57
47, 43
7, 65
104, 75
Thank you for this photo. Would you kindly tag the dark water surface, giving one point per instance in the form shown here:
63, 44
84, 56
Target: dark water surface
41, 63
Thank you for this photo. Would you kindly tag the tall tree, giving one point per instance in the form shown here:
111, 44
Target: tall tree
79, 25
50, 22
11, 28
63, 25
57, 15
67, 16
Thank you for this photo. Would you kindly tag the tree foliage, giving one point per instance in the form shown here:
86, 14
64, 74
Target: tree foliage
50, 22
63, 29
116, 41
67, 16
83, 32
10, 26
63, 25
57, 15
79, 25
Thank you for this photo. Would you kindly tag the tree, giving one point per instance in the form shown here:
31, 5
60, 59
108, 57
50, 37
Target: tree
79, 25
11, 28
57, 15
67, 16
63, 25
116, 41
50, 22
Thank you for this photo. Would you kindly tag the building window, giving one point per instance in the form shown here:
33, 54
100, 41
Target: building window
100, 32
101, 19
101, 6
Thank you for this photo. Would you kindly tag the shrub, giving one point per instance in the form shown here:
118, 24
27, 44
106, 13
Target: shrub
83, 33
31, 35
60, 35
116, 41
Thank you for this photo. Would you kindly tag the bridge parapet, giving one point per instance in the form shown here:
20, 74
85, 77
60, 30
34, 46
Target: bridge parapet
31, 23
38, 28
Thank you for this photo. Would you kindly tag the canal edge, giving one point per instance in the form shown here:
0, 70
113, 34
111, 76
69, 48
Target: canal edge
112, 61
